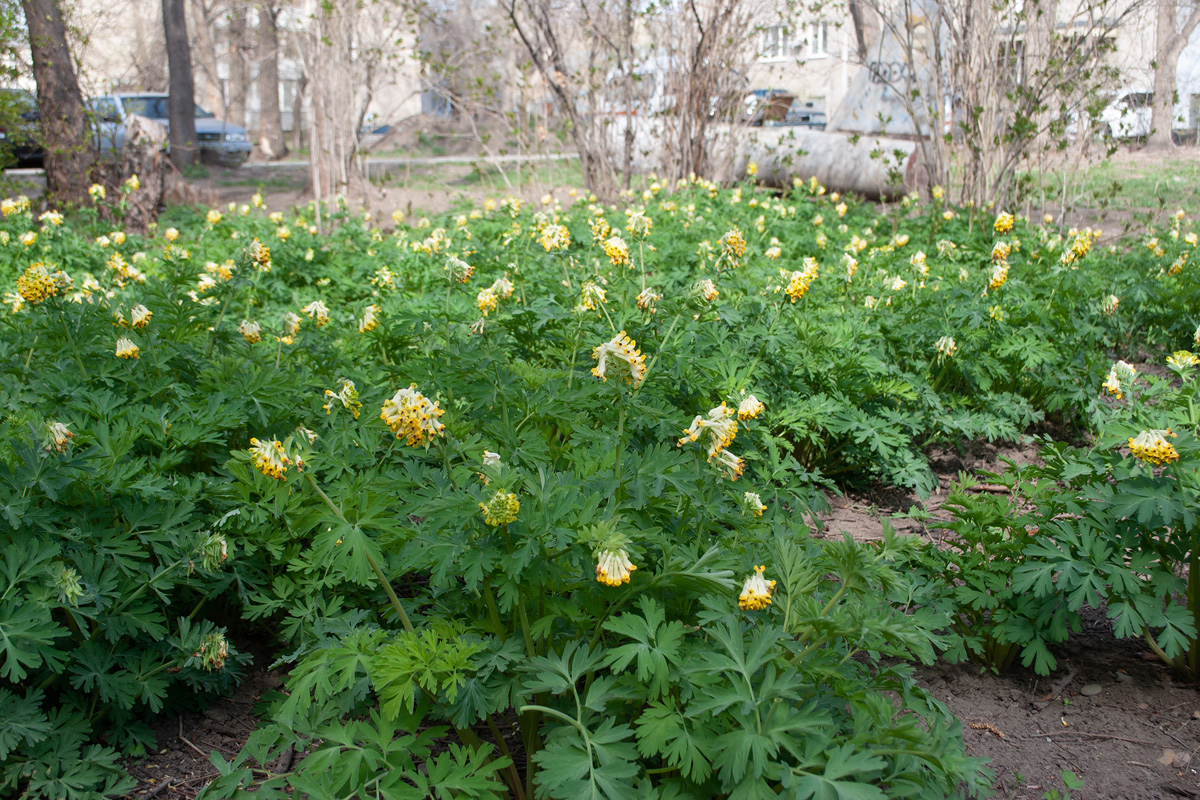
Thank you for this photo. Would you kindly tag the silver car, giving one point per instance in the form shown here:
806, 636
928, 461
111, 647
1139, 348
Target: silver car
219, 141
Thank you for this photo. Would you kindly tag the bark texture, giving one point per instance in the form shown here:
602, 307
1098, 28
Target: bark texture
1169, 41
181, 108
270, 140
238, 74
60, 103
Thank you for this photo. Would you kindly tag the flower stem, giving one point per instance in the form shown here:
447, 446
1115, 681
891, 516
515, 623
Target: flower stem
387, 585
74, 348
513, 777
662, 347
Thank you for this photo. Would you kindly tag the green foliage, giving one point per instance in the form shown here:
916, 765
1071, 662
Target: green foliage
1124, 530
529, 550
968, 573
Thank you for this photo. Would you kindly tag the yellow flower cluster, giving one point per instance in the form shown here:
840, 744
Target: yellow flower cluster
347, 396
733, 244
503, 287
370, 319
600, 229
750, 408
1183, 358
412, 416
1152, 447
270, 458
501, 509
756, 591
647, 298
96, 192
591, 296
753, 503
126, 348
458, 270
620, 356
555, 237
706, 290
317, 312
617, 251
613, 567
139, 316
946, 348
259, 254
1004, 223
721, 425
486, 301
14, 205
38, 283
213, 216
1001, 251
59, 437
999, 275
125, 271
1109, 305
1120, 376
250, 331
291, 327
639, 224
798, 281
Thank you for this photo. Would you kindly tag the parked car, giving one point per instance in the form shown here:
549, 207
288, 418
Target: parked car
220, 142
20, 128
774, 107
1128, 115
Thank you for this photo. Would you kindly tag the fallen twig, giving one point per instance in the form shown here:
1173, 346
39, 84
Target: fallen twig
1056, 691
986, 726
189, 744
1092, 736
159, 788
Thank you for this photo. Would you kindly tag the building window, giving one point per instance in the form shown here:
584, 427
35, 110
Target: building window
818, 40
774, 44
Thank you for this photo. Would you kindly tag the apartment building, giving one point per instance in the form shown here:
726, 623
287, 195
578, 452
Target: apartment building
815, 58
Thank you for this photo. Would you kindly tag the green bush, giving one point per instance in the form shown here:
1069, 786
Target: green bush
548, 529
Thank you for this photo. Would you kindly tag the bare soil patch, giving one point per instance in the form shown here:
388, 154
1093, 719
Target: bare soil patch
1137, 739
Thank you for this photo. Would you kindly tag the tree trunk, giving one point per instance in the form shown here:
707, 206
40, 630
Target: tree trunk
205, 51
298, 114
271, 119
181, 107
237, 65
60, 103
627, 47
1166, 57
1169, 42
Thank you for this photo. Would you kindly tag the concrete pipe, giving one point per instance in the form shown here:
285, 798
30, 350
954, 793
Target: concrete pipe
865, 165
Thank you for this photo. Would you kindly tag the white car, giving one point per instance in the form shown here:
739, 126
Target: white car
1128, 115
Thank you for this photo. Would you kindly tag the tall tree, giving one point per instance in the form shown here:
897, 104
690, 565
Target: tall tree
271, 119
181, 107
238, 74
60, 103
1176, 22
